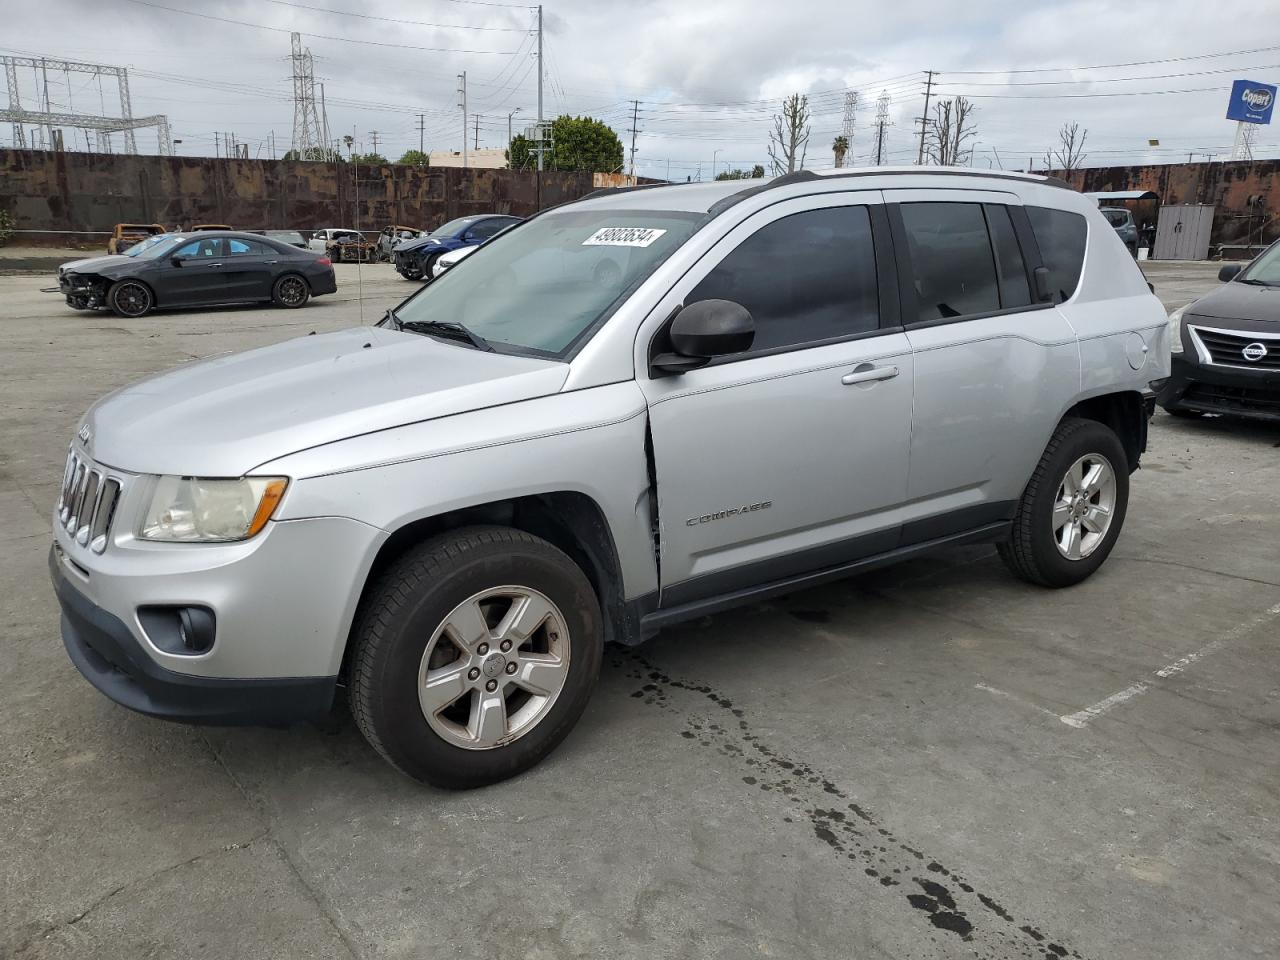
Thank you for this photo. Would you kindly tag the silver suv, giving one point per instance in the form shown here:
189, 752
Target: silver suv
646, 406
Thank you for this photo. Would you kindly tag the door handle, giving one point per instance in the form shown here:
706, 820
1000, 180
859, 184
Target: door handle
869, 374
214, 265
272, 263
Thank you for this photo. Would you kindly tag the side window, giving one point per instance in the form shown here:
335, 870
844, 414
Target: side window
206, 247
805, 278
1061, 238
241, 247
1014, 289
954, 271
485, 229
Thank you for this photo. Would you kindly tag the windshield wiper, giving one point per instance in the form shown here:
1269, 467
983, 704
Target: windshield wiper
448, 329
1257, 283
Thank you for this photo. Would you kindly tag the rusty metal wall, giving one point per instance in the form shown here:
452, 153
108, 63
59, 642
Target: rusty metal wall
83, 192
1226, 185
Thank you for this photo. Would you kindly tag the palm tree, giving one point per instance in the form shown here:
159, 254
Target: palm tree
840, 146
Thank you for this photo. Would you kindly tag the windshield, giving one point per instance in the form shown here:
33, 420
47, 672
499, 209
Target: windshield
155, 246
452, 227
543, 286
1266, 268
1117, 218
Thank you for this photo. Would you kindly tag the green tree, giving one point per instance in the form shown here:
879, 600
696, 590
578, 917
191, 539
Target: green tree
415, 157
317, 154
755, 173
368, 158
577, 143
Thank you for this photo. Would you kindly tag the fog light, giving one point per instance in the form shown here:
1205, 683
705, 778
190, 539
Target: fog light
182, 631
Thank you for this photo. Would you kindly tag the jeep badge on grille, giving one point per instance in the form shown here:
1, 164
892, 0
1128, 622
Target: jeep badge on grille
85, 435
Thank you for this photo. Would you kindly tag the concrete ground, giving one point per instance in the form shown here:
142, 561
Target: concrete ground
932, 760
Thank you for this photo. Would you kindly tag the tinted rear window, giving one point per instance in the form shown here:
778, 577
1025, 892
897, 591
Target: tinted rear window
955, 273
1061, 237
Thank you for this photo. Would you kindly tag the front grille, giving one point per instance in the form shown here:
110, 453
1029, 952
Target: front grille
87, 503
1225, 399
1228, 349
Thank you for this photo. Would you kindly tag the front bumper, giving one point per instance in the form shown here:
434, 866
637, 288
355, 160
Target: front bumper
105, 651
1211, 388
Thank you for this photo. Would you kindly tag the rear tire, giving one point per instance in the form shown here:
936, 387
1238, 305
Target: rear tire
1072, 509
471, 609
130, 298
291, 291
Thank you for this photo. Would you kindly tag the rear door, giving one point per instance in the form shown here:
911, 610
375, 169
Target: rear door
790, 457
249, 267
994, 369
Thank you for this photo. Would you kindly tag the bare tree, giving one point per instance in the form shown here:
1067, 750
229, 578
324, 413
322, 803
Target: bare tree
840, 147
1069, 154
789, 141
952, 127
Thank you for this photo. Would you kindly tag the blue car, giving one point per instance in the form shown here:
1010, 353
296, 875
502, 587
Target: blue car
414, 258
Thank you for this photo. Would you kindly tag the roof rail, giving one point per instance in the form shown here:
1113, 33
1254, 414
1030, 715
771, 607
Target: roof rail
803, 176
612, 191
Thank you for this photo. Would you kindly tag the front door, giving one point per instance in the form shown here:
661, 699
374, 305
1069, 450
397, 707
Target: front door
193, 274
791, 457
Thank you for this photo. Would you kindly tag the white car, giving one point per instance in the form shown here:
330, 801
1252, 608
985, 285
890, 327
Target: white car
443, 263
321, 238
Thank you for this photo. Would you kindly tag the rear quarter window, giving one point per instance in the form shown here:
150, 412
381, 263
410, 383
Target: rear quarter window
1061, 238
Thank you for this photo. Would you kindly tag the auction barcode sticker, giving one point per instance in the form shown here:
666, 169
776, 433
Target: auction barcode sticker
623, 237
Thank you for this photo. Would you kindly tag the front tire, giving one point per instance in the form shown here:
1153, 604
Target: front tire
1071, 511
290, 291
412, 269
130, 298
475, 654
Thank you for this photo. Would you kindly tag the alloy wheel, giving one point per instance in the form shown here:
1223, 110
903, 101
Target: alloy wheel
1084, 506
132, 299
292, 291
494, 668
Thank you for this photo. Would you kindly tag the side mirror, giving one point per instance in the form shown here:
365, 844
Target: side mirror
1043, 293
1230, 271
176, 261
703, 330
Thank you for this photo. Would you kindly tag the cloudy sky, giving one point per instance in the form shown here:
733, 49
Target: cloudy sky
708, 75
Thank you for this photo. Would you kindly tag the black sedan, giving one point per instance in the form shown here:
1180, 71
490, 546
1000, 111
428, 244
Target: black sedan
197, 270
1226, 346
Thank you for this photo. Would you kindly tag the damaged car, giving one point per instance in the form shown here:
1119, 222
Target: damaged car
196, 270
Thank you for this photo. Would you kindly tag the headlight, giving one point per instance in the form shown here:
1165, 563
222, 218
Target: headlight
1175, 329
192, 510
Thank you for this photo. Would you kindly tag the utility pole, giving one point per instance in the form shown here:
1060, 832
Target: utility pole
924, 117
509, 138
541, 132
373, 135
422, 125
635, 116
324, 122
462, 102
476, 145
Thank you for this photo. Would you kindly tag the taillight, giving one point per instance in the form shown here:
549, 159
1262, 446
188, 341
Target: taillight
324, 261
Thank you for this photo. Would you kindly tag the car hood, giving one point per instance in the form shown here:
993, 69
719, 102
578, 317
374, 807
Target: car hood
422, 243
224, 416
1240, 301
94, 264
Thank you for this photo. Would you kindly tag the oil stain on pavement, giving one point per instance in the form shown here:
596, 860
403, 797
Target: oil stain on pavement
845, 827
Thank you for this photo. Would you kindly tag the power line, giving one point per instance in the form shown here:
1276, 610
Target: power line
316, 36
1158, 76
413, 23
1111, 66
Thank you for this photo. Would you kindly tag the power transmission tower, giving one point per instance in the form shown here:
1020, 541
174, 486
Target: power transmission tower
634, 129
44, 120
462, 103
924, 117
308, 132
882, 121
851, 99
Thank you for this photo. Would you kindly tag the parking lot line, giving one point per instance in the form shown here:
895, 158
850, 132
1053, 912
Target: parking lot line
1081, 718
